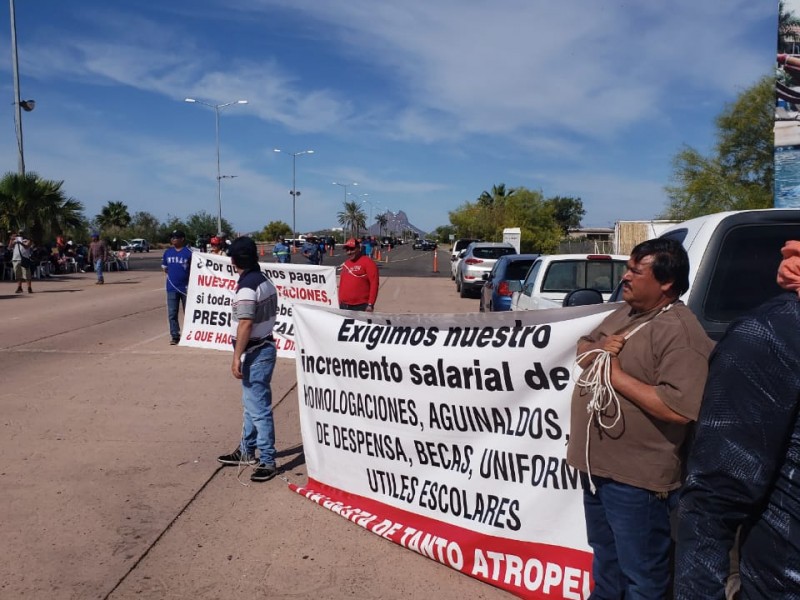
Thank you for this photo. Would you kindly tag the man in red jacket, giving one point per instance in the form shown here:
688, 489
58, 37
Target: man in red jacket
358, 284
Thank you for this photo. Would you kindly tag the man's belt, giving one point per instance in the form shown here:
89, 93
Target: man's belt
251, 344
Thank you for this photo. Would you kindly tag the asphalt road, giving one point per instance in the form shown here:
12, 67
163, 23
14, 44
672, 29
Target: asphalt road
110, 486
401, 261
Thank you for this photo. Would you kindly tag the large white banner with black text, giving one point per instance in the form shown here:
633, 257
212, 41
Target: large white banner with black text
207, 320
447, 434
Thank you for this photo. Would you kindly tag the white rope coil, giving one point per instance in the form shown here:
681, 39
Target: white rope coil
596, 378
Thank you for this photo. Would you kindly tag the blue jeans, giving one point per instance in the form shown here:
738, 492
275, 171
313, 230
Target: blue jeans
174, 300
629, 530
98, 268
258, 426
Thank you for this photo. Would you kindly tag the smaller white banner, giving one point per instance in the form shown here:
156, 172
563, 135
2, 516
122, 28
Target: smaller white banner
207, 320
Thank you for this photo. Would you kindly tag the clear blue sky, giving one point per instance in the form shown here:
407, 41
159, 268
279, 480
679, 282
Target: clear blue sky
424, 103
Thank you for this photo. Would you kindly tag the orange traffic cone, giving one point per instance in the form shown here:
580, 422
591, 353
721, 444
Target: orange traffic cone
378, 254
262, 249
435, 261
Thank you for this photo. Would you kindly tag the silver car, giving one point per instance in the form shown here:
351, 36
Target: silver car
477, 259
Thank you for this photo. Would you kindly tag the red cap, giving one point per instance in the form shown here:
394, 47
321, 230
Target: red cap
215, 241
351, 243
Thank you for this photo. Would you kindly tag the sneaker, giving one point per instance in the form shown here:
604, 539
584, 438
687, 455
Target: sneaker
263, 472
19, 291
174, 341
237, 458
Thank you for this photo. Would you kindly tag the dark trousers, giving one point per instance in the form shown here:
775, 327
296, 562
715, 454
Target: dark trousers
361, 307
629, 530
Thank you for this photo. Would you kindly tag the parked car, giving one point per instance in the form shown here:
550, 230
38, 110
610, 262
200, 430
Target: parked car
477, 259
422, 244
552, 277
458, 247
125, 246
495, 293
139, 245
733, 260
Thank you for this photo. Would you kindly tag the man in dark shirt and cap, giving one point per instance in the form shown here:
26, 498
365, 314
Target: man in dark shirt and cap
255, 307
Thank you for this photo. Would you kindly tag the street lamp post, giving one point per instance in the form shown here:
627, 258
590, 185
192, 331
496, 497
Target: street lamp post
294, 191
217, 108
26, 105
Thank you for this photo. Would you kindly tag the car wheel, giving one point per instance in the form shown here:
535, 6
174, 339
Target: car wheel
463, 291
458, 284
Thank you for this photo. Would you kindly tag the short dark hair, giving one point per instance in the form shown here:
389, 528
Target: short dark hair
670, 261
244, 253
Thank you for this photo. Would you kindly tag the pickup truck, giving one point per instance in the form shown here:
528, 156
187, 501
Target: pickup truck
733, 261
552, 277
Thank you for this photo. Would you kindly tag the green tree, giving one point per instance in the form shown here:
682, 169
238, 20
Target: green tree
143, 225
274, 230
740, 173
498, 193
40, 206
443, 232
114, 215
352, 217
204, 224
568, 212
526, 209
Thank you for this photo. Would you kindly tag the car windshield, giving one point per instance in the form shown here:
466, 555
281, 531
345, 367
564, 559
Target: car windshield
568, 275
518, 269
491, 253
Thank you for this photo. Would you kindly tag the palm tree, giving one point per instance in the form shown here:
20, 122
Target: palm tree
38, 204
382, 220
114, 214
352, 217
498, 192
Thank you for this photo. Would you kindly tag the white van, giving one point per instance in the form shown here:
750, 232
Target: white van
552, 277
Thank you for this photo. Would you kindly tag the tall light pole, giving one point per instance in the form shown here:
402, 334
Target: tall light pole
345, 186
217, 108
27, 105
294, 191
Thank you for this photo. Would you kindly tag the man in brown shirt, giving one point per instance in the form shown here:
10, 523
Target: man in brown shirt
657, 357
98, 255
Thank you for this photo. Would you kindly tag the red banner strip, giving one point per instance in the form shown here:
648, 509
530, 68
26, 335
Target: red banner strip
526, 569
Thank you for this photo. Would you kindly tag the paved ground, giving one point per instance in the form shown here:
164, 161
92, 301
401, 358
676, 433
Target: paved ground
109, 484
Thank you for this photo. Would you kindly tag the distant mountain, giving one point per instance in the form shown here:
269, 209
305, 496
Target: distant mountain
396, 224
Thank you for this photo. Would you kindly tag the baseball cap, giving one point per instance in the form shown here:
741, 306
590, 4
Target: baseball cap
243, 246
177, 234
215, 241
351, 243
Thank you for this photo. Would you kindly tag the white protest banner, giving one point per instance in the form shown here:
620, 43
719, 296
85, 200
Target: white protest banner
212, 283
447, 434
